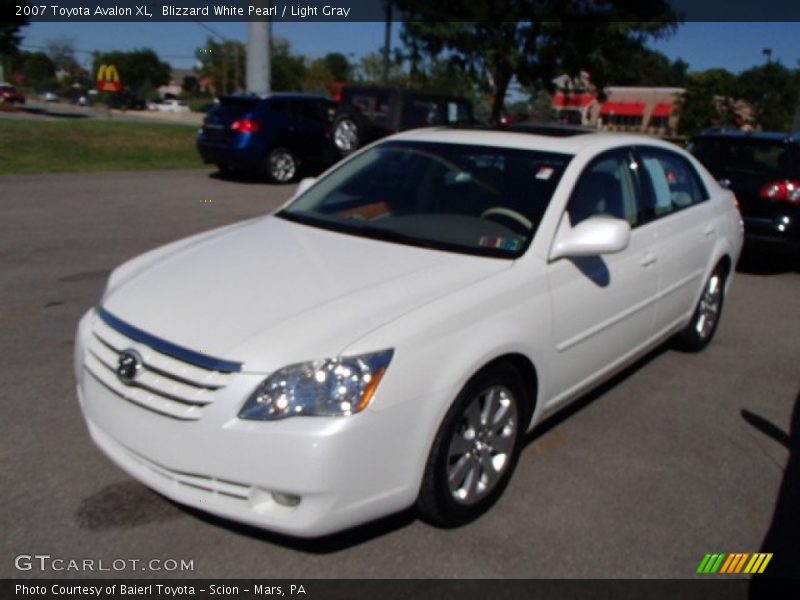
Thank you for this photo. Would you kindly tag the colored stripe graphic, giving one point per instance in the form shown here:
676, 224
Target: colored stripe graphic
723, 563
758, 563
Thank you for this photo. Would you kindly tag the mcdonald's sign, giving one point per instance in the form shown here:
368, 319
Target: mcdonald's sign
108, 79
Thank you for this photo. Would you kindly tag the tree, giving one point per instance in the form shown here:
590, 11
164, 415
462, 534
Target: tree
646, 67
288, 70
317, 77
338, 65
140, 70
37, 69
773, 91
708, 101
224, 62
532, 40
62, 52
9, 29
370, 70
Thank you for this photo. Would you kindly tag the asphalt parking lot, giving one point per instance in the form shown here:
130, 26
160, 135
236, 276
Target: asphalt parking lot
682, 455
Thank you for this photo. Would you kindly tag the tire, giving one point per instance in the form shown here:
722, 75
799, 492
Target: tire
703, 324
347, 134
281, 166
471, 463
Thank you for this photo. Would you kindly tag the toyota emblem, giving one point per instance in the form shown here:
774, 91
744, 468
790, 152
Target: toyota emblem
128, 366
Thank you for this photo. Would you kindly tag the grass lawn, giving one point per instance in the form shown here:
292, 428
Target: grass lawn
30, 146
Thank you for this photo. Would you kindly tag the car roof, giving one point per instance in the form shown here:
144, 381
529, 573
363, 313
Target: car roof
276, 95
738, 134
596, 142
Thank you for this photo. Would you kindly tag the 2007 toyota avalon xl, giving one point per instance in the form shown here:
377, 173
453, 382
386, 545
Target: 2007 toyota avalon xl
387, 337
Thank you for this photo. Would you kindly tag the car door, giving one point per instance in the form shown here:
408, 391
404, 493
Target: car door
602, 306
684, 223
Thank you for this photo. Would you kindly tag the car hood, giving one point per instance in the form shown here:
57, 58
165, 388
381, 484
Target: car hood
271, 292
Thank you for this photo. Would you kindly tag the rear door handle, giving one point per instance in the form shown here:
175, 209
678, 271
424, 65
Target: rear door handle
709, 230
648, 259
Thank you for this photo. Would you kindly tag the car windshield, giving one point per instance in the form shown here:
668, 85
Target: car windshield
461, 198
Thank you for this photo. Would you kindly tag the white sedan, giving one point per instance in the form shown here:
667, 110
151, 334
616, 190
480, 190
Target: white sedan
388, 336
175, 106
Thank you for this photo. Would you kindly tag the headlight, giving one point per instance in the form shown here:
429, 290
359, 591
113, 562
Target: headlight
331, 387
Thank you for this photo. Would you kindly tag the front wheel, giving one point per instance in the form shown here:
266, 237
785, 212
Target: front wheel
700, 330
476, 449
281, 166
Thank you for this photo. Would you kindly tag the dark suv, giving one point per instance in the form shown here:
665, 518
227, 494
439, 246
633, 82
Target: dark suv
763, 170
272, 136
367, 113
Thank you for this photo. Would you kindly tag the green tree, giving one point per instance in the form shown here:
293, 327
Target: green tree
708, 101
317, 77
225, 63
532, 40
338, 65
37, 69
9, 28
773, 91
370, 70
646, 67
288, 69
140, 70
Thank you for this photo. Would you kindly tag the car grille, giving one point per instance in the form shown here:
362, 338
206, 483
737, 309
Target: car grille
164, 384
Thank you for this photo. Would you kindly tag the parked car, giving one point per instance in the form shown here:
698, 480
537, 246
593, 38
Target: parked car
368, 113
274, 136
10, 94
763, 170
388, 337
50, 97
171, 105
127, 101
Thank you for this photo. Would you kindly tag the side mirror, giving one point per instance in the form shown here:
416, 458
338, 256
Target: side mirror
304, 184
592, 237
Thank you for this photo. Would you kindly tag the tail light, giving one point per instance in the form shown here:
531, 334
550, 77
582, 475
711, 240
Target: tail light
784, 191
246, 126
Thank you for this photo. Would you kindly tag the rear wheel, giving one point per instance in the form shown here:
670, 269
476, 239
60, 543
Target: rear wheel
700, 330
281, 166
476, 448
346, 135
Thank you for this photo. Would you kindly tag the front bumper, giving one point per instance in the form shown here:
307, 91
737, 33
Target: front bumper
345, 470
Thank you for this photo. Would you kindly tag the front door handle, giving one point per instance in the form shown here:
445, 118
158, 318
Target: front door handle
648, 259
709, 230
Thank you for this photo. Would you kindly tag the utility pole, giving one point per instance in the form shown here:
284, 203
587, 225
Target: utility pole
258, 53
387, 41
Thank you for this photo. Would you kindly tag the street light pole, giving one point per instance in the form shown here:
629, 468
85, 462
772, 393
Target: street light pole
387, 41
258, 53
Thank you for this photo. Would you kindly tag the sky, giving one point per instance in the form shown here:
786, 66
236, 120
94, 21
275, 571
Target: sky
733, 46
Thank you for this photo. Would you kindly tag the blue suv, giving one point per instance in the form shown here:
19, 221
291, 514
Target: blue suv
275, 136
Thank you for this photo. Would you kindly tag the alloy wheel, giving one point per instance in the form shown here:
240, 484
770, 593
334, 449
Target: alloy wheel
482, 445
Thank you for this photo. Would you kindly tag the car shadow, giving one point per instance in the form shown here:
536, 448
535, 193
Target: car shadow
783, 536
51, 113
236, 177
327, 544
765, 260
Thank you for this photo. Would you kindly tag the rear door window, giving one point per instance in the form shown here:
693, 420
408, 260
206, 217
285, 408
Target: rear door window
670, 183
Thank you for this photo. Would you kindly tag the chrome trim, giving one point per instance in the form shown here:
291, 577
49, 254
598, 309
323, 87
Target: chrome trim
164, 347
